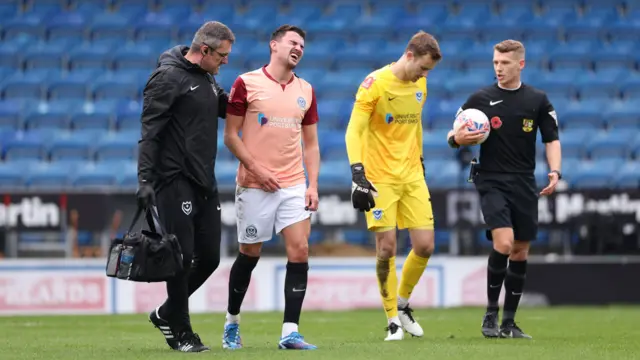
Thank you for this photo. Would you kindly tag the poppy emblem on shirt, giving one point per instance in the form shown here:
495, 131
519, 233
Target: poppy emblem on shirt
419, 95
496, 123
302, 103
262, 119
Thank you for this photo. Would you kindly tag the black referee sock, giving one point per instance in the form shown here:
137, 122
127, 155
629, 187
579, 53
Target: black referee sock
496, 271
295, 288
513, 285
239, 279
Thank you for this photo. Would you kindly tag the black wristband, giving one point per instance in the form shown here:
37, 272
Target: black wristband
557, 172
452, 142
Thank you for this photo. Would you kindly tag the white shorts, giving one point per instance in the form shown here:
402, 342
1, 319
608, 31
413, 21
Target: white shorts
258, 212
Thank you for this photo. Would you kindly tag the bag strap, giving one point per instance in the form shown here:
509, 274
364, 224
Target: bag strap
151, 215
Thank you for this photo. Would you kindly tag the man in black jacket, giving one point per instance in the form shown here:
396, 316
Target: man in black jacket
177, 151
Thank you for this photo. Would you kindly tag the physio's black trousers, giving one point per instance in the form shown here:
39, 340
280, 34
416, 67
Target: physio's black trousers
194, 218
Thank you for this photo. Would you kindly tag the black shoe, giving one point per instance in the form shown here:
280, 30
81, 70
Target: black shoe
510, 330
163, 325
190, 342
490, 325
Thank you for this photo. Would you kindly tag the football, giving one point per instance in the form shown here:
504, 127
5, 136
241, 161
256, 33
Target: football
473, 119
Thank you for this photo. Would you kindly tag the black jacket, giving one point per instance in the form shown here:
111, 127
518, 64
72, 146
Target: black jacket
182, 103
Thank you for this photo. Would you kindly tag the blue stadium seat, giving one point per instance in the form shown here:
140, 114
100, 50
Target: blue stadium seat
128, 116
601, 85
9, 56
26, 85
572, 55
68, 146
10, 112
50, 175
155, 25
573, 142
333, 146
623, 29
96, 175
90, 57
54, 115
128, 178
595, 174
434, 145
615, 55
335, 173
443, 174
122, 145
226, 172
630, 86
623, 115
66, 25
612, 144
357, 237
110, 26
11, 176
582, 115
112, 86
139, 56
628, 177
27, 24
93, 116
69, 86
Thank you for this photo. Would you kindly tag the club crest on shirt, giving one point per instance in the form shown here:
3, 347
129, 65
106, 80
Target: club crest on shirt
527, 125
186, 207
377, 214
302, 103
388, 118
419, 96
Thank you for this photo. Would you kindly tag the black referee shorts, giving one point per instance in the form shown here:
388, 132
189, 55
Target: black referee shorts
195, 219
509, 200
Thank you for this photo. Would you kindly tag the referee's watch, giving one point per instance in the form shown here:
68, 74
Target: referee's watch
557, 172
452, 142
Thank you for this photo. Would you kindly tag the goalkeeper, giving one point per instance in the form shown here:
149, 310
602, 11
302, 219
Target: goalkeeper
384, 145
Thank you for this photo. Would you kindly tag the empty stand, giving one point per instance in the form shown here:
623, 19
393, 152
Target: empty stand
72, 74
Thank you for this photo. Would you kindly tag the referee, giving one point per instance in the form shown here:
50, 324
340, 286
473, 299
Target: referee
505, 180
177, 153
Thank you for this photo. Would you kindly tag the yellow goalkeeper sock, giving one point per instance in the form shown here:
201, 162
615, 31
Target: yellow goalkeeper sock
388, 284
412, 270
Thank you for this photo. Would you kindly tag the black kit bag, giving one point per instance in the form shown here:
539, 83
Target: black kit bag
145, 256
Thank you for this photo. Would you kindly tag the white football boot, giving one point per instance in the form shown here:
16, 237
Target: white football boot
409, 324
394, 332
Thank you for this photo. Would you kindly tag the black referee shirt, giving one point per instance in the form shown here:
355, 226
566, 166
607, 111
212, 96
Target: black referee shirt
515, 116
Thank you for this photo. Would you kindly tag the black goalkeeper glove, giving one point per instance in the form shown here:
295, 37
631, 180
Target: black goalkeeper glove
362, 191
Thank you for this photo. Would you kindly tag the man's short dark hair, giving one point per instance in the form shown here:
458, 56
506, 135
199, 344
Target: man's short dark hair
282, 30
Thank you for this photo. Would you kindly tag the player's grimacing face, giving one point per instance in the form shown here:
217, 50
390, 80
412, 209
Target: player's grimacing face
419, 66
290, 48
507, 66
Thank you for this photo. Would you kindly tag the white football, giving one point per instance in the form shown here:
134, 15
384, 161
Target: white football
473, 119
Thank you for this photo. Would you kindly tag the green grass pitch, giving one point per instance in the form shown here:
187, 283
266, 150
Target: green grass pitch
559, 333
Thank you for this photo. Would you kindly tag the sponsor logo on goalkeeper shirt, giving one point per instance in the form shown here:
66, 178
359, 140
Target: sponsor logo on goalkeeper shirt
403, 119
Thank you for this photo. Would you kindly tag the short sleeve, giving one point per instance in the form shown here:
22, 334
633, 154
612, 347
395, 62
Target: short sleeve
471, 103
367, 95
237, 98
548, 121
311, 116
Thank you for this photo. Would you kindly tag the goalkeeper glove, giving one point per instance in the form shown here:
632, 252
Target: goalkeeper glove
362, 191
